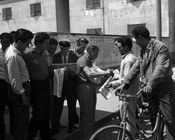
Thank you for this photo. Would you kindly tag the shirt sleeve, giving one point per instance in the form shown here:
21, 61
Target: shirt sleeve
14, 75
81, 62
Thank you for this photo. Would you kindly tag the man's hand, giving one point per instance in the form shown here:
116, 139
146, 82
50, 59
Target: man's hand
25, 99
147, 89
120, 88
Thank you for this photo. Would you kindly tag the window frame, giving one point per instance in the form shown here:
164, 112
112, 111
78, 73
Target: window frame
95, 31
6, 15
35, 9
93, 4
130, 27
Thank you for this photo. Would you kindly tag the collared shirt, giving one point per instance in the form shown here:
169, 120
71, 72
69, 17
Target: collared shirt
1, 64
126, 64
67, 57
37, 64
15, 70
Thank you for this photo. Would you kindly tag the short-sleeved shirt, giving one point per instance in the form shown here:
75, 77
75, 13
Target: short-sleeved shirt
82, 62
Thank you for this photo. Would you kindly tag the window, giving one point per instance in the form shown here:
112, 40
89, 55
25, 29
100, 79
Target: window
35, 9
132, 26
7, 13
92, 4
96, 31
132, 0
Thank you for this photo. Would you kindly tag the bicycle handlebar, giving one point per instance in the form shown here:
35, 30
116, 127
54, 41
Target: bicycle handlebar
128, 96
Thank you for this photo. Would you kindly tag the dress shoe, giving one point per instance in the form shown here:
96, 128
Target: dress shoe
54, 131
2, 136
52, 139
62, 126
70, 130
76, 125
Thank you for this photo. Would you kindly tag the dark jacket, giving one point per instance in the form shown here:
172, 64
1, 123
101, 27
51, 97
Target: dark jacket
57, 58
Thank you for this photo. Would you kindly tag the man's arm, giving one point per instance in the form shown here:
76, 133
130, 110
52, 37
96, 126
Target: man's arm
132, 73
162, 67
94, 74
14, 75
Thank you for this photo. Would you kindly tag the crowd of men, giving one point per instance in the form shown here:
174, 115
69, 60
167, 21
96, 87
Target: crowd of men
26, 79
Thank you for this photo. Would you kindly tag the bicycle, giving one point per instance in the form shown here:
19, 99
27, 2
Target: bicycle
119, 132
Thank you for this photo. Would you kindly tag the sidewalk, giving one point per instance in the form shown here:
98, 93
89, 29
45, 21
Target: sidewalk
104, 109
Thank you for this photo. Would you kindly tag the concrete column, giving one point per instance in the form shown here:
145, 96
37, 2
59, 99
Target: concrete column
62, 16
171, 8
158, 20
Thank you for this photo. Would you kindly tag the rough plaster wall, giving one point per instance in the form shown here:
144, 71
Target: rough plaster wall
118, 13
21, 17
81, 18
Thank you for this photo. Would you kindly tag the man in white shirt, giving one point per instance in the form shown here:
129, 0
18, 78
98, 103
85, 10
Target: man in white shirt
124, 45
17, 76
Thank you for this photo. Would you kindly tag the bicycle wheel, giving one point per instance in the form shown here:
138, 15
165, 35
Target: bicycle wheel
111, 132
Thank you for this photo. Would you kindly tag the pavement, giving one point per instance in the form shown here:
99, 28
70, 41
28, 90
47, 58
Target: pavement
104, 110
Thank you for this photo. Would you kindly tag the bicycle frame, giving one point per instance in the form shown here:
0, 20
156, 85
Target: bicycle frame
154, 134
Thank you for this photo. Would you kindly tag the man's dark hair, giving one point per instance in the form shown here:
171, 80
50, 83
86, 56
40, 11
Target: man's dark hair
92, 48
41, 37
53, 41
13, 35
23, 35
64, 43
8, 36
82, 39
125, 41
142, 31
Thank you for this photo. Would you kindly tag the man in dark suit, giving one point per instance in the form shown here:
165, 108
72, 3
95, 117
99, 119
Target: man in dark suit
69, 90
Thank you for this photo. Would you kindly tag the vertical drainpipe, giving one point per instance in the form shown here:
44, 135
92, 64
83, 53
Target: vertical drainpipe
158, 20
171, 5
103, 12
56, 10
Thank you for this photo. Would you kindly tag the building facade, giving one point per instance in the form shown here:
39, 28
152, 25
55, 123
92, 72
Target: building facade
116, 16
35, 15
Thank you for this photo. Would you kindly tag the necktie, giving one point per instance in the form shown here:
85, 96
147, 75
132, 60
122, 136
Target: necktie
64, 56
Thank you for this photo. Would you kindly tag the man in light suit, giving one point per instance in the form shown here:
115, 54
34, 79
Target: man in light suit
68, 92
154, 65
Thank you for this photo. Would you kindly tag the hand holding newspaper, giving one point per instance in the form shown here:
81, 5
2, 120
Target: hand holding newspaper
107, 92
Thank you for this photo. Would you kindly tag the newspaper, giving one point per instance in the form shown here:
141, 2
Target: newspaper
106, 91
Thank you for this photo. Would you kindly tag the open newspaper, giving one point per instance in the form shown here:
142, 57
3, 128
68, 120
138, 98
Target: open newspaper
106, 91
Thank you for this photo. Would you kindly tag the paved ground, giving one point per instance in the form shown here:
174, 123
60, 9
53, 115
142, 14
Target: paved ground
104, 115
104, 109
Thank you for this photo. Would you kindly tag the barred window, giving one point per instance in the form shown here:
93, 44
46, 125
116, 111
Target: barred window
7, 13
94, 31
92, 4
35, 9
130, 27
132, 0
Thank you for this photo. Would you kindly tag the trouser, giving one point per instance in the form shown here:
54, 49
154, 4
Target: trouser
3, 102
163, 97
87, 100
21, 113
40, 102
68, 92
131, 116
